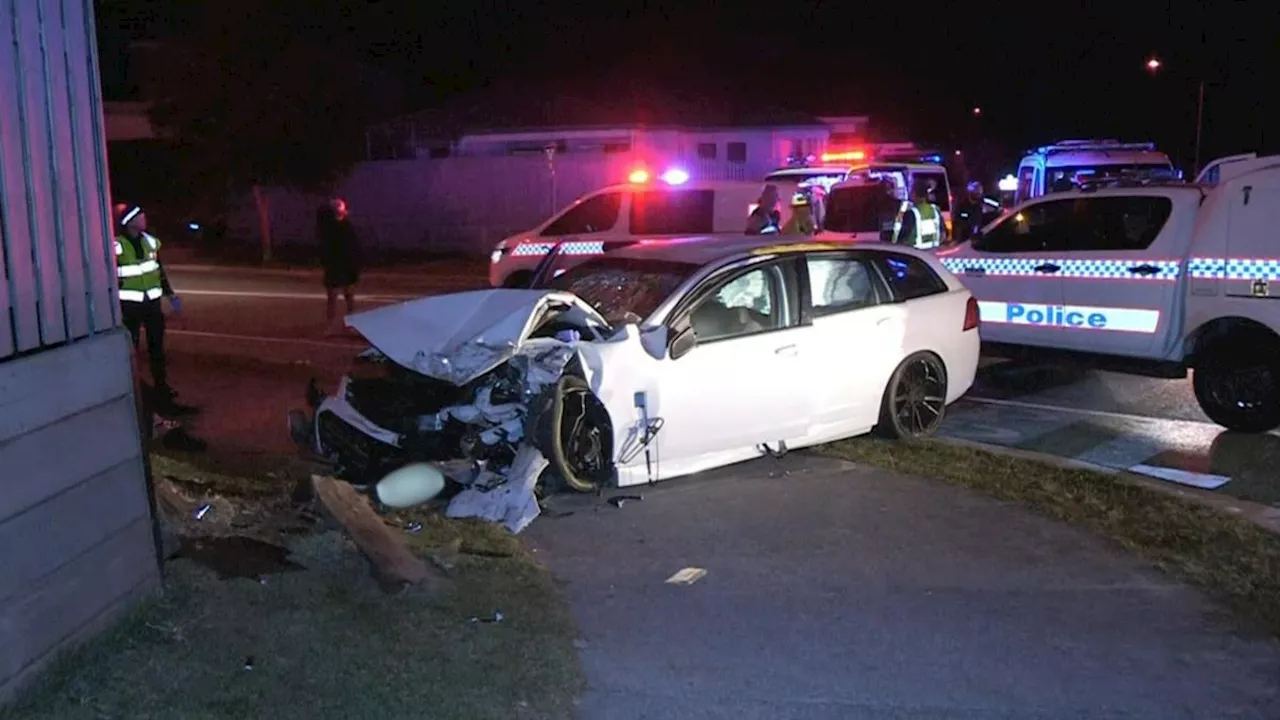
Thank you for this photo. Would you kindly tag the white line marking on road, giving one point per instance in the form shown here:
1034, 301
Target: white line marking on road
1204, 481
259, 338
1083, 411
293, 296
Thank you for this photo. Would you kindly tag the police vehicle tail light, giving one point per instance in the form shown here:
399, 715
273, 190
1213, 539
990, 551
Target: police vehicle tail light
638, 176
971, 316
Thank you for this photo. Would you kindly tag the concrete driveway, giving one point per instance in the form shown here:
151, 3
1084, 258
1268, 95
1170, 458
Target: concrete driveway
836, 591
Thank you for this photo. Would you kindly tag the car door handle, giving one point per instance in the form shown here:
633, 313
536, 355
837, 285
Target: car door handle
788, 350
1047, 268
974, 270
1144, 269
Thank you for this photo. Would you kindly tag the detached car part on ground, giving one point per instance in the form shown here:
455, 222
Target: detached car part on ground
654, 361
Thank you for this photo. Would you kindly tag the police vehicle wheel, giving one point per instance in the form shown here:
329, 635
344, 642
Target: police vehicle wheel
915, 401
571, 427
1239, 388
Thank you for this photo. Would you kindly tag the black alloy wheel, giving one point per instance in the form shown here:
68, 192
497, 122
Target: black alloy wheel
915, 402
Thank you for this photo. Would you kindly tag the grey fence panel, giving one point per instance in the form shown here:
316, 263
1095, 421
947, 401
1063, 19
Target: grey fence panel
61, 195
17, 231
89, 151
40, 207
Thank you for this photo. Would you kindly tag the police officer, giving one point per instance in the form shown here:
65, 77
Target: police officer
142, 283
801, 221
921, 225
888, 209
973, 213
765, 219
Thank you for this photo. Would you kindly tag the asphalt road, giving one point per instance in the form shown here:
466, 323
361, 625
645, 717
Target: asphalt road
1110, 419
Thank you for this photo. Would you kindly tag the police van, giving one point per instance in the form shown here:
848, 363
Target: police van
669, 205
1064, 165
1153, 278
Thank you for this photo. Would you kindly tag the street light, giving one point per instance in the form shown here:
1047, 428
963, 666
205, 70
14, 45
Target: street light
1154, 64
977, 111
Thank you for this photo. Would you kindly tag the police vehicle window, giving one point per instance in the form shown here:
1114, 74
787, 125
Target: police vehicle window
593, 215
838, 284
1117, 223
746, 305
1042, 227
1025, 177
853, 209
673, 212
937, 182
911, 278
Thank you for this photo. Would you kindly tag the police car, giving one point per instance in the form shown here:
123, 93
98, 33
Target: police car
1065, 164
669, 205
1154, 278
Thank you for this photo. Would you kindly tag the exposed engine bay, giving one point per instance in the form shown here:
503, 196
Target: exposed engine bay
530, 420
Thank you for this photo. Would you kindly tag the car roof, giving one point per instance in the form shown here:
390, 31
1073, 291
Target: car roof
1070, 158
1157, 188
692, 184
703, 250
809, 170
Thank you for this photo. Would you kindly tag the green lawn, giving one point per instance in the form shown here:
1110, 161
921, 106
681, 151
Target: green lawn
325, 642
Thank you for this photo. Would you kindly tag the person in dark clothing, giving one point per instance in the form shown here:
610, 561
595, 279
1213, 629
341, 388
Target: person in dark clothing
887, 209
973, 213
340, 258
142, 284
765, 218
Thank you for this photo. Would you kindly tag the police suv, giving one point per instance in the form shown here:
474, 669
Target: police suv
1152, 278
1065, 164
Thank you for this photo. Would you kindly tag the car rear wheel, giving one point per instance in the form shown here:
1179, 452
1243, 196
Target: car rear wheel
571, 427
1239, 387
915, 401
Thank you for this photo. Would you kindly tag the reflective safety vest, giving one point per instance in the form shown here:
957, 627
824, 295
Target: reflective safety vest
928, 225
801, 221
139, 276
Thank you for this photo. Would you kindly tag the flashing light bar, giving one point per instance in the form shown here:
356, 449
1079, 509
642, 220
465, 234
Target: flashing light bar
675, 176
639, 177
852, 155
1008, 183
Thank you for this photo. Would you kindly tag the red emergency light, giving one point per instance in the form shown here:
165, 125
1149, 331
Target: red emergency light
846, 156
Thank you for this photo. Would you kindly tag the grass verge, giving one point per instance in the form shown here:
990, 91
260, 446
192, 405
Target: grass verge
1227, 556
323, 641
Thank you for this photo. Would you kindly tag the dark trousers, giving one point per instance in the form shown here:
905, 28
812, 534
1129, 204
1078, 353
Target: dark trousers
148, 315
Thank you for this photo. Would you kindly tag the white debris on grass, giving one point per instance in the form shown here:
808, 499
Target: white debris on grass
512, 503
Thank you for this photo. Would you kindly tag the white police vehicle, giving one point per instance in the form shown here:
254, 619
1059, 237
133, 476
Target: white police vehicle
1152, 278
1065, 164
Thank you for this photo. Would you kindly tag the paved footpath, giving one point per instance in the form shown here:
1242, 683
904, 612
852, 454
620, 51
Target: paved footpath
835, 591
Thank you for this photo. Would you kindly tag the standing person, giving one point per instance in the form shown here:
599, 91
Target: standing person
765, 219
888, 208
142, 284
922, 225
340, 258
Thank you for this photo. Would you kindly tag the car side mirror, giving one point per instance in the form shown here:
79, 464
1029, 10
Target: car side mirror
682, 342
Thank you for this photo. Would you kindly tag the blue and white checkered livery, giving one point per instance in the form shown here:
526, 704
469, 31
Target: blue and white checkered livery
578, 247
1235, 268
1087, 268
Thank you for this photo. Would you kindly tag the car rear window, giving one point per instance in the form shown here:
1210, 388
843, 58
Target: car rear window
853, 209
673, 212
911, 277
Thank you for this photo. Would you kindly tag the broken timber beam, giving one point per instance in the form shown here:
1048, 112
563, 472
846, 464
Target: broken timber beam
385, 549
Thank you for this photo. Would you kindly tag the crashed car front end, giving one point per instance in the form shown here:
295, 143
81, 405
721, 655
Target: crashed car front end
493, 409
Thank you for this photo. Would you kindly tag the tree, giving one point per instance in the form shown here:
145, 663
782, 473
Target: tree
253, 94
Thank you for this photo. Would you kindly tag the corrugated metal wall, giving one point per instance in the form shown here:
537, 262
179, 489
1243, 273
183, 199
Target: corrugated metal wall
58, 283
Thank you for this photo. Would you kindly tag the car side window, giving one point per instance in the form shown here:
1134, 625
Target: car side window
1043, 227
595, 214
748, 304
840, 283
1025, 177
1117, 223
911, 277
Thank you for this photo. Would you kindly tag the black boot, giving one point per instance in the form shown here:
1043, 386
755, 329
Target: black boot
167, 405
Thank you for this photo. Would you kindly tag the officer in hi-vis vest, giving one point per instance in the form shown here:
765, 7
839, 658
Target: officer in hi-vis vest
142, 284
921, 224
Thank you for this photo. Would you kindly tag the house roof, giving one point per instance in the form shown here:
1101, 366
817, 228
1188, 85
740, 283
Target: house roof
516, 110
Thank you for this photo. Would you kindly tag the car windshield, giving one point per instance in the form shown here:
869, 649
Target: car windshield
823, 179
623, 289
853, 209
1065, 178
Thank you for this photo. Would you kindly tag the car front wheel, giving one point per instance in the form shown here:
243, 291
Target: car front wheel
1239, 388
915, 401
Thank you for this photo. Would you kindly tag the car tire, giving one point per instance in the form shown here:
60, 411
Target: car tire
517, 279
551, 428
1225, 371
914, 403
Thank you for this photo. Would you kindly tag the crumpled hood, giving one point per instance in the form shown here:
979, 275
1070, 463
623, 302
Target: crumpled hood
461, 336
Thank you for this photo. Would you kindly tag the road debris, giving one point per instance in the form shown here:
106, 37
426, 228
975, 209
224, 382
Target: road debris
494, 618
619, 500
248, 662
687, 576
202, 511
414, 527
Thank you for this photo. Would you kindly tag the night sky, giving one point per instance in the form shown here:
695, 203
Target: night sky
1039, 71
